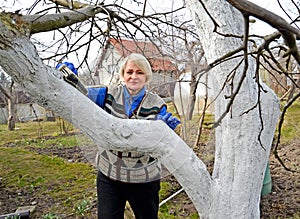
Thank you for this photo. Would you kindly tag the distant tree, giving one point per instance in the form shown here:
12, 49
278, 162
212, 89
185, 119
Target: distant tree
185, 50
7, 89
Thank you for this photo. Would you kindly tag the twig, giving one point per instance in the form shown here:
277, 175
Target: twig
288, 104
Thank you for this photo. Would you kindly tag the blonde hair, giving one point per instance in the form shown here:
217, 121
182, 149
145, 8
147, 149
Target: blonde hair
141, 62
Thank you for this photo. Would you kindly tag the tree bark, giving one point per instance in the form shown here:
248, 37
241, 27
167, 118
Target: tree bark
45, 85
11, 107
244, 136
192, 97
11, 120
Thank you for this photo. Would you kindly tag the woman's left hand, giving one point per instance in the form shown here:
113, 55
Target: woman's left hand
171, 121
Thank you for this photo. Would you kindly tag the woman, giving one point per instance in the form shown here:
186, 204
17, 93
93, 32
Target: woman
130, 176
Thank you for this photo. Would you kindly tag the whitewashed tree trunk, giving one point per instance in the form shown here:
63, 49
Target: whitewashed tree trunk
240, 158
19, 58
234, 189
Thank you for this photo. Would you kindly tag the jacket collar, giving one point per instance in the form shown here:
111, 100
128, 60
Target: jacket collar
134, 97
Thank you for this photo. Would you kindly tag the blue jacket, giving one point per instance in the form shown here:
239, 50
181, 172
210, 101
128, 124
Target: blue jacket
98, 95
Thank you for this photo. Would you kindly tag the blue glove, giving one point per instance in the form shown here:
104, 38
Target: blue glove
69, 65
171, 121
70, 75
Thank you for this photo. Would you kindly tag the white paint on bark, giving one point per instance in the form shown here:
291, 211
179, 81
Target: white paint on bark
46, 86
233, 191
240, 158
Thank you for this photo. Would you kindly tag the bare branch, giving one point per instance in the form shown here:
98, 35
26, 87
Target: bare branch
269, 17
287, 31
281, 120
44, 23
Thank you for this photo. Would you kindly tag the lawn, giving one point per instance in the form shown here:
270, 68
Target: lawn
41, 165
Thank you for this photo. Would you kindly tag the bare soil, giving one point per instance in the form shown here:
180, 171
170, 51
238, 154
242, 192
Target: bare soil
283, 202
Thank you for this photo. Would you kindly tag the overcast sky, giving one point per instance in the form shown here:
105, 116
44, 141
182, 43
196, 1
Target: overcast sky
259, 27
271, 5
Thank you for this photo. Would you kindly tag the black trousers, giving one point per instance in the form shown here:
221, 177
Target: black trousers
112, 196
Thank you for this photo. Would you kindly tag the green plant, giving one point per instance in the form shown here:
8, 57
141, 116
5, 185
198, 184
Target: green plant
64, 183
291, 124
27, 131
82, 207
50, 216
49, 177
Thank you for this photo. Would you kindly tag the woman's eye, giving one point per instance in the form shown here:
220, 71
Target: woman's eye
131, 72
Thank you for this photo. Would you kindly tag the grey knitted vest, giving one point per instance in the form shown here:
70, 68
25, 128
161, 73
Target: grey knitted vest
131, 167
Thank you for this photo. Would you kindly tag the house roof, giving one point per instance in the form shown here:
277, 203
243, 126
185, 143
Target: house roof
149, 50
125, 47
162, 64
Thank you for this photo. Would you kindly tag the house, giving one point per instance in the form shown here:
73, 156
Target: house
26, 109
106, 66
182, 95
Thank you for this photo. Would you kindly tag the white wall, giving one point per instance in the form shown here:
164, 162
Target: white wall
24, 112
182, 92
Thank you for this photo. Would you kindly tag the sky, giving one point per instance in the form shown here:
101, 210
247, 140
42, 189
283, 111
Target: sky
272, 5
259, 27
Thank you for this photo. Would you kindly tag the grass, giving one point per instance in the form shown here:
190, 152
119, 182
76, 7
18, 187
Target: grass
45, 177
173, 210
291, 126
69, 188
29, 131
20, 165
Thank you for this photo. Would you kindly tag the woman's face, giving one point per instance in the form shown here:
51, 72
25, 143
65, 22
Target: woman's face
134, 78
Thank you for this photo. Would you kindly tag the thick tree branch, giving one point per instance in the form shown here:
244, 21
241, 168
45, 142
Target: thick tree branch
46, 87
70, 4
44, 23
